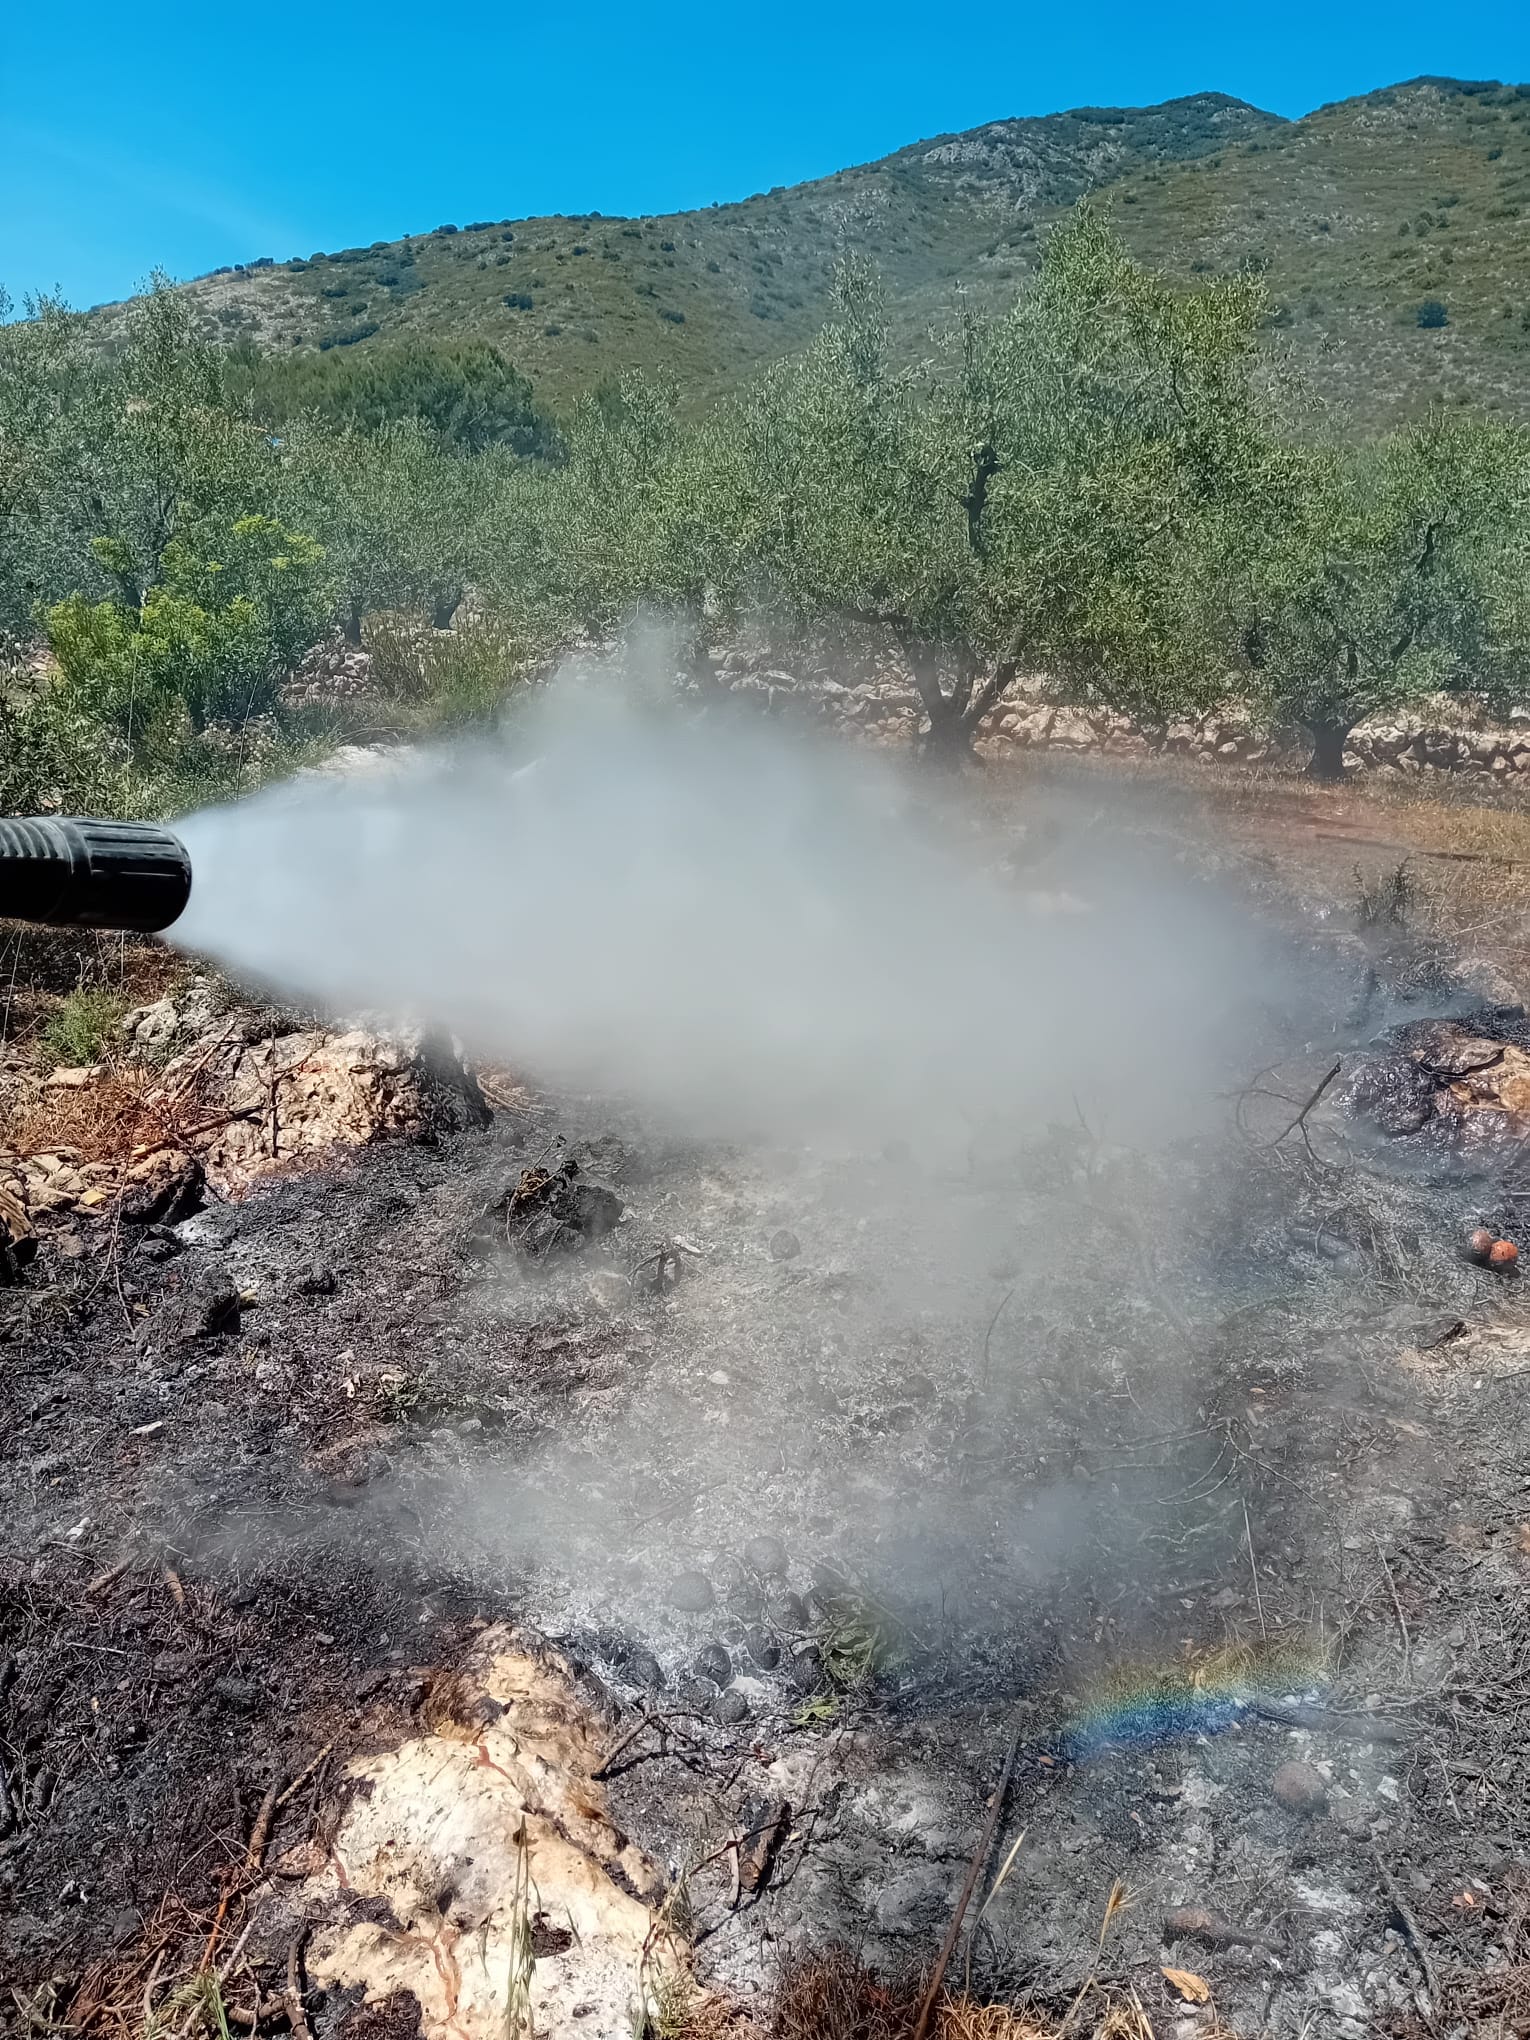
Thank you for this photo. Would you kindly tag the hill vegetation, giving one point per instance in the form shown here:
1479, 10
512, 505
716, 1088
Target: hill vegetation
1101, 481
1393, 232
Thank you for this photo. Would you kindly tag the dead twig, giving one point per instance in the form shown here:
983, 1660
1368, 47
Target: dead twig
969, 1885
1299, 1123
1407, 1648
148, 1989
1253, 1566
993, 1891
992, 1326
602, 1770
303, 1776
297, 2017
1404, 1915
226, 1969
260, 1834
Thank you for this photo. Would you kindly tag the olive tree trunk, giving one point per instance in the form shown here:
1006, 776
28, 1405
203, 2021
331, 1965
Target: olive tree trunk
956, 712
1329, 736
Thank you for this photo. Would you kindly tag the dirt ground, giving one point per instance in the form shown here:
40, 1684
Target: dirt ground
789, 1511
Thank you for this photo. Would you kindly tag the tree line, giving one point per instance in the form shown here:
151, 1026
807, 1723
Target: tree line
1111, 484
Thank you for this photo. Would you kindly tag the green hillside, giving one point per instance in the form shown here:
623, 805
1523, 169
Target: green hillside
1361, 215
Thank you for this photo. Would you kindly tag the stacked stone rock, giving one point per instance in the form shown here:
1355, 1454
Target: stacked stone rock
331, 671
1402, 749
888, 711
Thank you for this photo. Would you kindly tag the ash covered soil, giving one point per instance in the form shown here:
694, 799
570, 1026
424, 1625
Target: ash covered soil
825, 1476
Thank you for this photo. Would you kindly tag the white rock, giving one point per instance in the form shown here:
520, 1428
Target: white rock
152, 1026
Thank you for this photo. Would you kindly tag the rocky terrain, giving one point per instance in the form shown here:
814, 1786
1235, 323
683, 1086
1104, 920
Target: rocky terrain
471, 1556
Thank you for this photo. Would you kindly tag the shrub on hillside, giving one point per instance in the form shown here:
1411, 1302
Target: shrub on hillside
469, 393
207, 644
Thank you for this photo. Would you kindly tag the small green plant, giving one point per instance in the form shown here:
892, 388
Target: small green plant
195, 2006
1386, 899
854, 1639
817, 1712
453, 678
666, 2004
82, 1026
520, 2023
208, 642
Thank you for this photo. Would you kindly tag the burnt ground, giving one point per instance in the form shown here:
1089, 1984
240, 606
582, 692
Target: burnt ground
1178, 1463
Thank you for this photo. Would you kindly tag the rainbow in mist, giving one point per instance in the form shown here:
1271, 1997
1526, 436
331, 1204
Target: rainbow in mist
1140, 1706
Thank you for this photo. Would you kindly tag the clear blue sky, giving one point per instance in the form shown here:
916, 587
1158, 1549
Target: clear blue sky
182, 137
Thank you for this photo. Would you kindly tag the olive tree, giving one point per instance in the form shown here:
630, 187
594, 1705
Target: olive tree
1374, 577
1039, 497
624, 522
401, 521
44, 371
110, 456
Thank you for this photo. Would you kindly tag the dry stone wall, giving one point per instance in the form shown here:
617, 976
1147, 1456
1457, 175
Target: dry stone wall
330, 671
1439, 738
877, 699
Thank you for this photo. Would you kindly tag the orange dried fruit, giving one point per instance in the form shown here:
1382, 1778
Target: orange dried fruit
1502, 1254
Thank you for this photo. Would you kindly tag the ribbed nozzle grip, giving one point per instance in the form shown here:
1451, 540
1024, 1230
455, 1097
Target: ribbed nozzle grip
75, 872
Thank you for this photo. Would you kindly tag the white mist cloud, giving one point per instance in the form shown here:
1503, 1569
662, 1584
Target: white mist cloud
739, 927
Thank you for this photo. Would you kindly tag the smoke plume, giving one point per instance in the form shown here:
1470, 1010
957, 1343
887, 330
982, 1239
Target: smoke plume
741, 928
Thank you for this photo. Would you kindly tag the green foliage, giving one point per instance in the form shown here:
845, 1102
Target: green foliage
456, 678
1106, 481
618, 522
1365, 580
82, 1026
1047, 497
468, 393
402, 521
110, 459
207, 644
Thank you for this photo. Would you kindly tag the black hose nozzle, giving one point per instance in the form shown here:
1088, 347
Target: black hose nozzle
75, 873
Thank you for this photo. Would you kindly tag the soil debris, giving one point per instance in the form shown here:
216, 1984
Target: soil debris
1199, 1923
547, 1211
1301, 1789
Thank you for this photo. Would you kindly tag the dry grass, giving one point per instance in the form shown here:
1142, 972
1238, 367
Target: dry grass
63, 992
430, 679
41, 966
123, 1109
1465, 849
833, 1996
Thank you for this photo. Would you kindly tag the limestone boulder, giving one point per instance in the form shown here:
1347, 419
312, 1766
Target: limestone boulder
477, 1866
281, 1102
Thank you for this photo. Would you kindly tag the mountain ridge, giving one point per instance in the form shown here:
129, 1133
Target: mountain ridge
1369, 217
